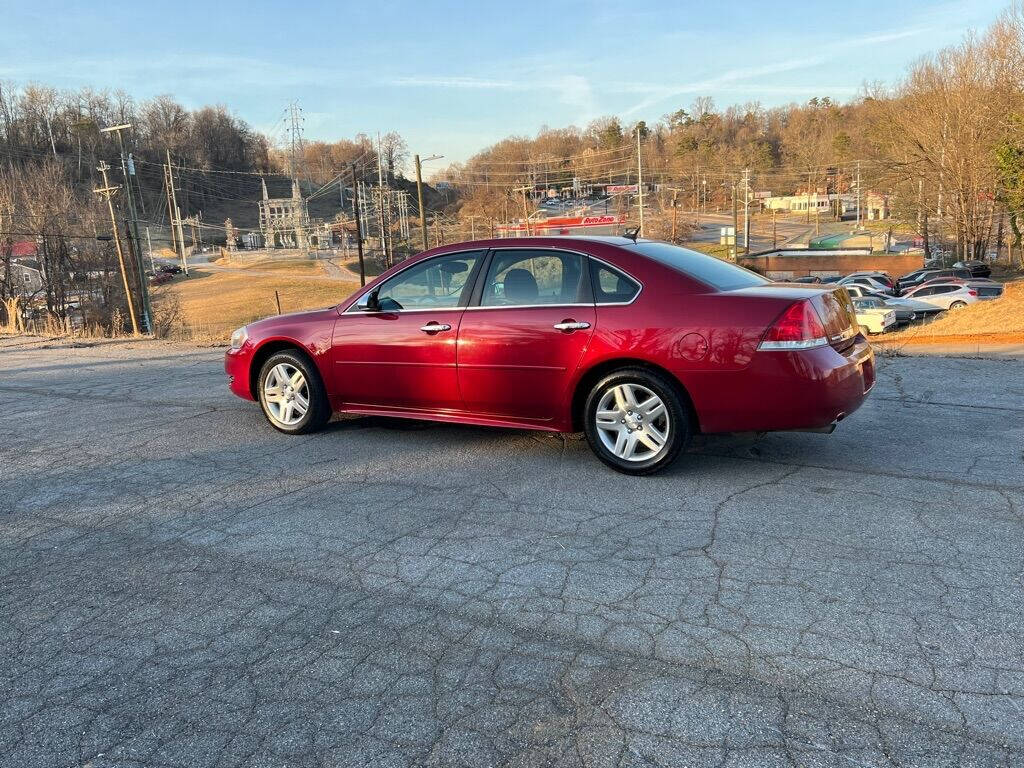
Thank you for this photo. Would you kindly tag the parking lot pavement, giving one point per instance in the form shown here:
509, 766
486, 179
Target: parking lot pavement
180, 585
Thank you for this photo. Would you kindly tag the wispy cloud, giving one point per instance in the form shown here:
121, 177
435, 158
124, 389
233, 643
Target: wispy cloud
730, 80
474, 83
573, 90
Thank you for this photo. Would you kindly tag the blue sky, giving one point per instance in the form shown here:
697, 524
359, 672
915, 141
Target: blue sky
453, 77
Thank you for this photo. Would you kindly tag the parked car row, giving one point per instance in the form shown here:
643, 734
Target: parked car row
882, 302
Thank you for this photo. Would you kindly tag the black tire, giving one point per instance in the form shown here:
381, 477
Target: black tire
958, 305
678, 420
319, 411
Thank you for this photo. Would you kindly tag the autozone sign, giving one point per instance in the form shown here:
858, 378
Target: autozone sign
567, 223
618, 189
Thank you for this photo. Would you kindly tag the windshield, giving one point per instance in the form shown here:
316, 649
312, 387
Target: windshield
719, 274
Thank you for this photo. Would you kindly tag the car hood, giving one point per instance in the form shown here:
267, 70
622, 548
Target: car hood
267, 325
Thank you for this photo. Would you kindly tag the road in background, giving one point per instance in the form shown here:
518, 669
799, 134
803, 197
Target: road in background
184, 586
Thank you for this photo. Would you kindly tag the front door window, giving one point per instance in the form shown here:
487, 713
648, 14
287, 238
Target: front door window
435, 284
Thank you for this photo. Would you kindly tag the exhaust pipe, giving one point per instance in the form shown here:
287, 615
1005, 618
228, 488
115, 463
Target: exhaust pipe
826, 430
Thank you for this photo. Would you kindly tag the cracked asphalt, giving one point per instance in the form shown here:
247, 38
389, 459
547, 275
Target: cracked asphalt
180, 585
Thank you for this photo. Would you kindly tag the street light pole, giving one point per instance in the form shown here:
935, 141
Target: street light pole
419, 195
640, 181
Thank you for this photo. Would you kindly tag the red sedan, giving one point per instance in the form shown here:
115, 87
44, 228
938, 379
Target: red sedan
639, 344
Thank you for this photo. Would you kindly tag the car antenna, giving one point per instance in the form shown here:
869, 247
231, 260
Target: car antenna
631, 233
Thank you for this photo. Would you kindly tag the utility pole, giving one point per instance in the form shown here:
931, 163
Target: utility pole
359, 229
808, 197
419, 198
526, 212
108, 191
170, 208
675, 211
147, 312
746, 210
149, 245
858, 194
640, 180
380, 211
775, 242
735, 222
176, 219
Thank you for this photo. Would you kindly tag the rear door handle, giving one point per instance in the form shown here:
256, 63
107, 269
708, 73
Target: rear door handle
571, 325
435, 327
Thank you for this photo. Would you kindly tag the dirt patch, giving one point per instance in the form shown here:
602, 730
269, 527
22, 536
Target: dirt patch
951, 338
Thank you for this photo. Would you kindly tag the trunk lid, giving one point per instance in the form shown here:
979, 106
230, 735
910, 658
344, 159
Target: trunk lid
837, 313
832, 303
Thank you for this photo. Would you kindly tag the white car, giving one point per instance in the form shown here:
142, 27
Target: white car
875, 319
945, 295
920, 307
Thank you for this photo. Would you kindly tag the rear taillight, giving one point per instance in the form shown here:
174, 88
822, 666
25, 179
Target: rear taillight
972, 293
799, 327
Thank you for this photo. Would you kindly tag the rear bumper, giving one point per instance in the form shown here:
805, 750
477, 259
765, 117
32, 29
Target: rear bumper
781, 390
236, 366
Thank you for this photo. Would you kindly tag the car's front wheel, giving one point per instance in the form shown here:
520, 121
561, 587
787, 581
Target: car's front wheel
635, 421
292, 395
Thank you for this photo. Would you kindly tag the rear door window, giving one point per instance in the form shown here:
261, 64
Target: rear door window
612, 286
527, 277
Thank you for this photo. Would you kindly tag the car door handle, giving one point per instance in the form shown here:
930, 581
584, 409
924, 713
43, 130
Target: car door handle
571, 325
435, 327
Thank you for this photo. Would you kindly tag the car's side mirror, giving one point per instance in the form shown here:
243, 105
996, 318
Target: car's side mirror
370, 302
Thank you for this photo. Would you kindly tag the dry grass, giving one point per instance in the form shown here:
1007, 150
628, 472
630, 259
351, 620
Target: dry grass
999, 320
211, 304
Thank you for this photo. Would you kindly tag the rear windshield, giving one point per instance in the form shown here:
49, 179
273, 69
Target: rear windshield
711, 271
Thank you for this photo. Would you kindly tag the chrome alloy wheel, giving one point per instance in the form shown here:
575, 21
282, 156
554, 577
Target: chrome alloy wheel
632, 422
286, 394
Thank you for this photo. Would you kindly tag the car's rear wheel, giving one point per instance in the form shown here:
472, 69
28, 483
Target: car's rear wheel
958, 305
292, 395
635, 421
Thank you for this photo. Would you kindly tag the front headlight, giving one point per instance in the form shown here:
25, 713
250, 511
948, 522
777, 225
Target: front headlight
239, 337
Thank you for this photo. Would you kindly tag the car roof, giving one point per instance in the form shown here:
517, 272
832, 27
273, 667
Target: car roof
942, 283
543, 240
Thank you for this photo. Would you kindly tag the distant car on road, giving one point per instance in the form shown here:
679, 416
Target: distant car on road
639, 344
945, 295
171, 269
812, 279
